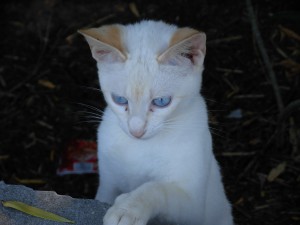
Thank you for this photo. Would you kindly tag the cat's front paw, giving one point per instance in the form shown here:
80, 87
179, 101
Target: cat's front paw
126, 211
119, 216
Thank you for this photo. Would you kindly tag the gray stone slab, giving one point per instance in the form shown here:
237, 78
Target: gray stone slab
82, 211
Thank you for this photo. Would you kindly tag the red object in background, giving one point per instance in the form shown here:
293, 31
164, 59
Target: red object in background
79, 157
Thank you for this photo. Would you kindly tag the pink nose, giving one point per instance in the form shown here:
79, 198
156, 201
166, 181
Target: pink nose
137, 133
136, 127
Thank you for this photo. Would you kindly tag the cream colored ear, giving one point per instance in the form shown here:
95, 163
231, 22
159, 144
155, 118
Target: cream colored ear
105, 43
186, 45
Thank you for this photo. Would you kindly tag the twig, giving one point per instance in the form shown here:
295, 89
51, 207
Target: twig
70, 38
265, 57
227, 39
293, 106
237, 71
38, 64
232, 154
286, 113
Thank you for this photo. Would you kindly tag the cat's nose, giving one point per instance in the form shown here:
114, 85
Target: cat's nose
137, 134
136, 127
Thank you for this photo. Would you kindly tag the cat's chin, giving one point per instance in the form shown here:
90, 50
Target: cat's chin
145, 136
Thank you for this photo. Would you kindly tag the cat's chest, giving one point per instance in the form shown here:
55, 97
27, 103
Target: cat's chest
133, 164
136, 156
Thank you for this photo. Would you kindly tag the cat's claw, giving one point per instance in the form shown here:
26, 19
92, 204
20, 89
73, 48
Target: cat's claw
125, 212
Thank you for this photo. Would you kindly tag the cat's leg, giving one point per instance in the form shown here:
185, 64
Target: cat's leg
106, 194
217, 208
152, 199
107, 190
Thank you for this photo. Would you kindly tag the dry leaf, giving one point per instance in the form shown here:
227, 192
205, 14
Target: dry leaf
294, 135
275, 172
290, 33
133, 9
47, 84
291, 65
239, 201
255, 141
35, 211
4, 157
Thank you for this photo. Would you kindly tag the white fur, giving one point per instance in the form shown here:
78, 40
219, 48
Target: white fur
170, 169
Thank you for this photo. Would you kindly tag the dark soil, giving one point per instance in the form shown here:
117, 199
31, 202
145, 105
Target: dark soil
46, 69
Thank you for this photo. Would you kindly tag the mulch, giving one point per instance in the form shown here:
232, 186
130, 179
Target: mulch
48, 86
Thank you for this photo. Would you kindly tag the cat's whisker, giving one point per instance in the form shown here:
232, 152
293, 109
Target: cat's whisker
175, 119
90, 107
216, 134
178, 125
90, 88
183, 127
90, 113
212, 132
215, 110
89, 121
94, 117
171, 125
214, 101
90, 117
171, 122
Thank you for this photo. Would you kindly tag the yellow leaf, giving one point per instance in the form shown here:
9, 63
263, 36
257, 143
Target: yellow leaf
275, 172
29, 181
35, 211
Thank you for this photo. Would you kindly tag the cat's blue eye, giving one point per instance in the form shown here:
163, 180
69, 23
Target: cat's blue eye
161, 102
119, 99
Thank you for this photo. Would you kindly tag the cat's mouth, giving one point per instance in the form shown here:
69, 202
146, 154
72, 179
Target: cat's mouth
137, 134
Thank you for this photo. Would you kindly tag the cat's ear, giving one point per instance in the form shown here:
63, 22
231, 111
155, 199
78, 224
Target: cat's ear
105, 43
186, 45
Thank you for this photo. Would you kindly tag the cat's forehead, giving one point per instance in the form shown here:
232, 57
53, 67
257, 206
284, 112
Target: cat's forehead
147, 38
150, 83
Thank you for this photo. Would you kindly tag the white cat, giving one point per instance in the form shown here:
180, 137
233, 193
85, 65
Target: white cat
155, 149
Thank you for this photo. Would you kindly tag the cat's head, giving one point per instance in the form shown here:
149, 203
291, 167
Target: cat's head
149, 72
